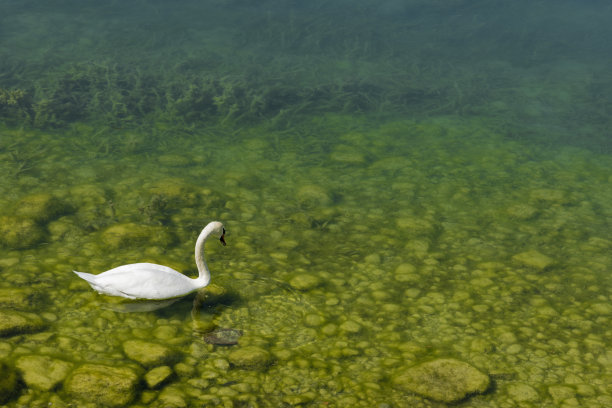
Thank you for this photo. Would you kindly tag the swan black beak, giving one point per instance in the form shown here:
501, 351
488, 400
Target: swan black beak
222, 239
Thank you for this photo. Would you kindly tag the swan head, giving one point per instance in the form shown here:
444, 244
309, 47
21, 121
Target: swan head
216, 228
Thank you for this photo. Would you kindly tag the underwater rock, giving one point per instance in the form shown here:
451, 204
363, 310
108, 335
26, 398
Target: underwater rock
223, 337
560, 393
41, 207
520, 392
415, 225
42, 372
172, 397
251, 357
130, 234
158, 376
313, 320
406, 273
9, 384
112, 386
20, 233
533, 259
350, 326
444, 380
13, 323
18, 298
311, 195
305, 281
149, 354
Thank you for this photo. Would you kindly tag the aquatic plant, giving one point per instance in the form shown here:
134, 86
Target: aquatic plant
15, 106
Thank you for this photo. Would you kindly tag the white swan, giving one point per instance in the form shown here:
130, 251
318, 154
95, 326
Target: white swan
151, 281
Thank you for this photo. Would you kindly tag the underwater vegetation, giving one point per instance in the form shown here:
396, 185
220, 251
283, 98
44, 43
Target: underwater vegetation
417, 196
119, 96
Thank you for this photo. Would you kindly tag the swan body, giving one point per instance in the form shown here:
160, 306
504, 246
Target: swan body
152, 281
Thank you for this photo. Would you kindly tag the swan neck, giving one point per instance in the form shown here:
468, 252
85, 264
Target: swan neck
203, 272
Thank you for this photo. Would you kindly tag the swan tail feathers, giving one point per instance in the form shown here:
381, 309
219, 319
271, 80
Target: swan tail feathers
86, 276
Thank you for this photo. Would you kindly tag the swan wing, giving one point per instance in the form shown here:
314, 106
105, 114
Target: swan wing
141, 281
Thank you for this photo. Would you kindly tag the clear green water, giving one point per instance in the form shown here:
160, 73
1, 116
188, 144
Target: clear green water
380, 214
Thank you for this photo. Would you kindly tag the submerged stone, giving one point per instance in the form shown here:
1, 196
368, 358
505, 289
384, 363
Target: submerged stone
444, 380
19, 298
158, 376
223, 337
251, 357
41, 207
112, 386
130, 234
172, 397
19, 233
149, 354
304, 281
311, 195
521, 392
42, 372
13, 322
533, 259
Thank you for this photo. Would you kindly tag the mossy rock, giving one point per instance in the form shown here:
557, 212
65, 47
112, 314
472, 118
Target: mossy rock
20, 233
19, 298
110, 386
149, 354
172, 397
444, 380
130, 234
13, 322
41, 207
533, 259
157, 376
305, 281
250, 357
9, 382
43, 372
311, 195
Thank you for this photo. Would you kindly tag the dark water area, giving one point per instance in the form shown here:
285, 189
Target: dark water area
529, 64
417, 197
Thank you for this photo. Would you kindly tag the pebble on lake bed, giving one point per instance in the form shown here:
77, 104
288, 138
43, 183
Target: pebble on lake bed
13, 322
42, 372
304, 282
111, 386
251, 357
149, 354
444, 380
533, 259
20, 233
157, 376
